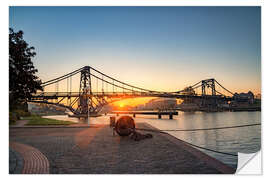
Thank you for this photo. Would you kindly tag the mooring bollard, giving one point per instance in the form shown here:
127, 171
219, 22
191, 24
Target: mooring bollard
170, 116
124, 126
134, 115
112, 121
159, 116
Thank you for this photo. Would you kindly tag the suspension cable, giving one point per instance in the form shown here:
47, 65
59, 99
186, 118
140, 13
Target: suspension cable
113, 85
193, 86
121, 81
69, 75
102, 85
70, 84
219, 93
224, 87
61, 77
97, 85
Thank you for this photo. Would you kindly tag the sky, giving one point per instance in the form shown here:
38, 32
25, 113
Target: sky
157, 48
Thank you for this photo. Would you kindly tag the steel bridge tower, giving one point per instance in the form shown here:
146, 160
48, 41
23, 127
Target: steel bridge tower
85, 92
209, 104
208, 83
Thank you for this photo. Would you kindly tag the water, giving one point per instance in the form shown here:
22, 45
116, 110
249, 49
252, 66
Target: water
244, 139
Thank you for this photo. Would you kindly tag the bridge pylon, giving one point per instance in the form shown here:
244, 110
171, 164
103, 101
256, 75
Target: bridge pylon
208, 83
85, 92
207, 103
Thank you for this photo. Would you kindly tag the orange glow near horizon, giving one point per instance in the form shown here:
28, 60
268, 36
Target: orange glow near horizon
132, 102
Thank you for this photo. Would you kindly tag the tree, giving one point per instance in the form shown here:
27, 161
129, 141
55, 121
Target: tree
189, 91
22, 79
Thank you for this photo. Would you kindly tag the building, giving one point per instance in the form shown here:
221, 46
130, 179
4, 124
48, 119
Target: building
243, 98
161, 103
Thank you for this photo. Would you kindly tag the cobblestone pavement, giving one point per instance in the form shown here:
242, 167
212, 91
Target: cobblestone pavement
97, 151
15, 162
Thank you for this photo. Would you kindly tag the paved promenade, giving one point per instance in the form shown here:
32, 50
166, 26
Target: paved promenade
96, 151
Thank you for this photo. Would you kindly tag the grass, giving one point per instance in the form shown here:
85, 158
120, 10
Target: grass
37, 120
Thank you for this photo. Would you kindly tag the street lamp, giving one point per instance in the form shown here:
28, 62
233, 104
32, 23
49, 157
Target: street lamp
87, 89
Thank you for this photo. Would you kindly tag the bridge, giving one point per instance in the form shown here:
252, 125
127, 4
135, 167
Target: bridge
97, 89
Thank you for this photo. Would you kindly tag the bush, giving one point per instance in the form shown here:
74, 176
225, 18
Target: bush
17, 115
12, 118
22, 113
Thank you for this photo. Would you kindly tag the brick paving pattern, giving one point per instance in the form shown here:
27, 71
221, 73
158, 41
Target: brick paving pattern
34, 162
97, 151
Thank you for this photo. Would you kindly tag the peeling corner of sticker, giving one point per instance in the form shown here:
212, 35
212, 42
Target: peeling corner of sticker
249, 163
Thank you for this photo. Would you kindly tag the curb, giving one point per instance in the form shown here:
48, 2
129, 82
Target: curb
52, 126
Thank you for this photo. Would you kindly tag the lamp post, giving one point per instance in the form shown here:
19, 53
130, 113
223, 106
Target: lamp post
88, 120
88, 95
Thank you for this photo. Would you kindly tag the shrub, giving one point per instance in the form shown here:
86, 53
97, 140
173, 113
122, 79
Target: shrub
12, 118
22, 113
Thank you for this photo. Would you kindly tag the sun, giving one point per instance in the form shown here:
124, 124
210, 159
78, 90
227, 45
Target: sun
121, 105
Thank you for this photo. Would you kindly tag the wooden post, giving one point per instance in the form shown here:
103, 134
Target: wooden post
112, 121
159, 116
134, 115
171, 116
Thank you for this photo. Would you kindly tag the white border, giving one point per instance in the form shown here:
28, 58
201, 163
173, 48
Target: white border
137, 2
4, 70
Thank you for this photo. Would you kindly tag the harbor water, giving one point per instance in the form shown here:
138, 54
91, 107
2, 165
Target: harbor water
232, 140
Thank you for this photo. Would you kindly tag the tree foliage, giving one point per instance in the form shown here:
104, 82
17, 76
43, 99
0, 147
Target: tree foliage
189, 91
22, 79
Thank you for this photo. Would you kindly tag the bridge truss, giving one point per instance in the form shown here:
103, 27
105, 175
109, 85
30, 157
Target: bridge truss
97, 89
